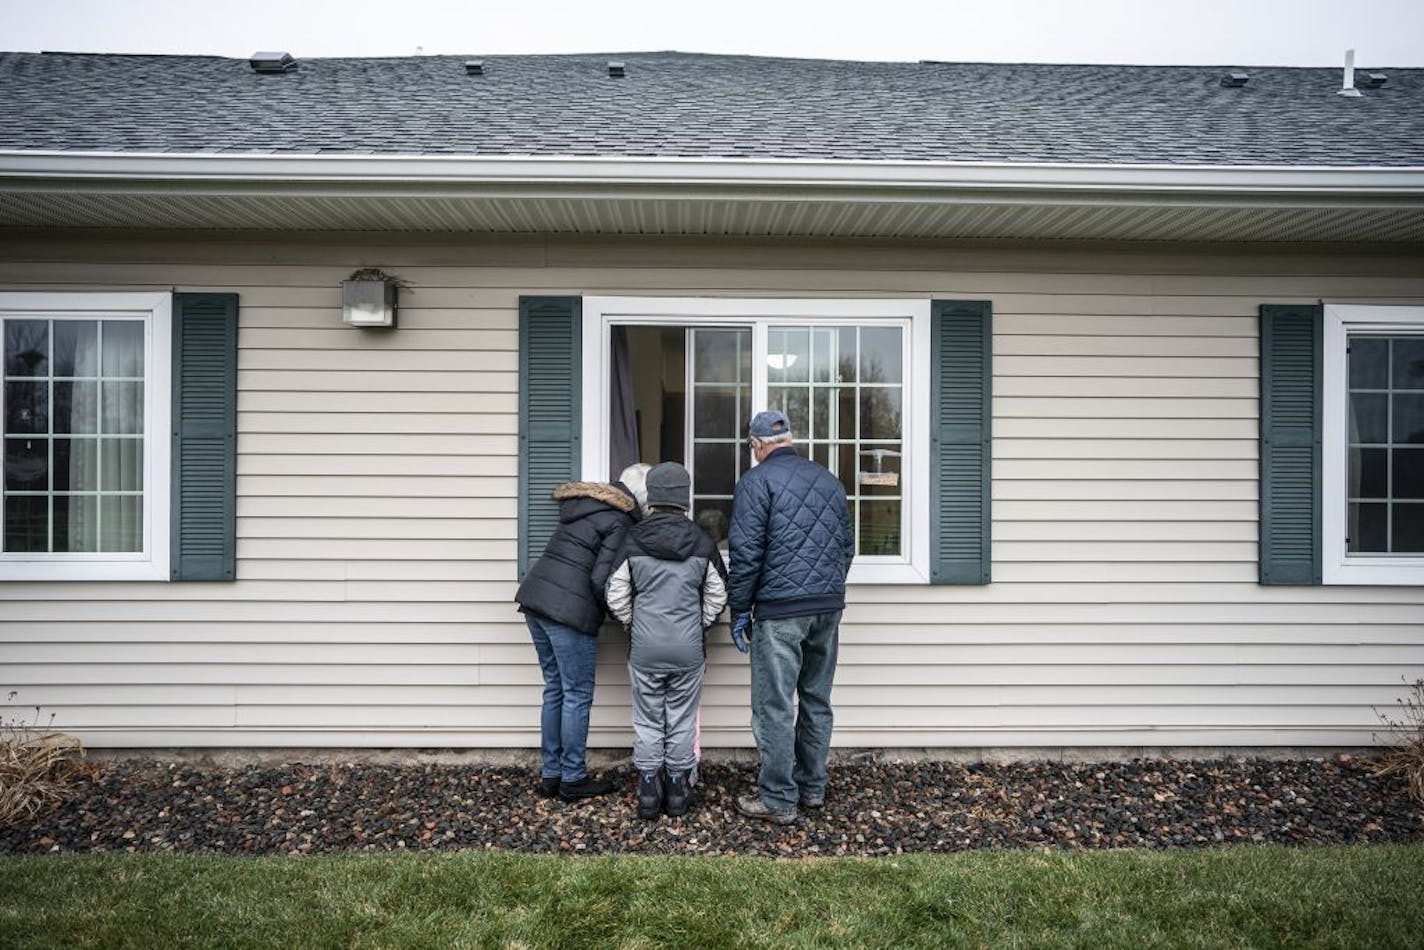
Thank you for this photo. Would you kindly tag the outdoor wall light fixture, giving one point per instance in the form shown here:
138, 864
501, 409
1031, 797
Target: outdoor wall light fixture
368, 299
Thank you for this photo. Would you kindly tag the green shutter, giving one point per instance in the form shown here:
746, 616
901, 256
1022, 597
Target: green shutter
550, 347
1290, 444
960, 433
204, 490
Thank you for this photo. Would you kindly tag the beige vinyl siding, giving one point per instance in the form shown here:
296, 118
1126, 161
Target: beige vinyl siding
377, 482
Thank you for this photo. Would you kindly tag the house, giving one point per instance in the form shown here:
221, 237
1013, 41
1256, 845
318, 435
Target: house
1122, 368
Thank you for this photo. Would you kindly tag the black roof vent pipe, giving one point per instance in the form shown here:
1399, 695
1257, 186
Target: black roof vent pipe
616, 69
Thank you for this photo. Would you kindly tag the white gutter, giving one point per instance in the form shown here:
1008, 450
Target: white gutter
172, 172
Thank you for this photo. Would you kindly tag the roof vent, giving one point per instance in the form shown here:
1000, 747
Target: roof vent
269, 62
1374, 80
1235, 80
474, 67
1348, 89
616, 69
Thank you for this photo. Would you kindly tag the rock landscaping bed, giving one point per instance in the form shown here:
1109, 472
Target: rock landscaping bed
873, 808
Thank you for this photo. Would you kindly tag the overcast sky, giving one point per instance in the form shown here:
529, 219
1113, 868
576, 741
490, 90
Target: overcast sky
1213, 32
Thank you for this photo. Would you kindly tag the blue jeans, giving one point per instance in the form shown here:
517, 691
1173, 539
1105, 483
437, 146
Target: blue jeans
793, 666
566, 658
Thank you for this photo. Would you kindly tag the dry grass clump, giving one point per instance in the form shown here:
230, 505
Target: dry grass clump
37, 766
1406, 736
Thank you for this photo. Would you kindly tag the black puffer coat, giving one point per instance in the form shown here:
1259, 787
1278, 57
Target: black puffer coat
566, 583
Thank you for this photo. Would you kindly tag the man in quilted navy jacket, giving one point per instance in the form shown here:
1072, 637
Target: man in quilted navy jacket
791, 545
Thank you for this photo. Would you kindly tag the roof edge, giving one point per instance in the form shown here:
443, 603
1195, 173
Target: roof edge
177, 172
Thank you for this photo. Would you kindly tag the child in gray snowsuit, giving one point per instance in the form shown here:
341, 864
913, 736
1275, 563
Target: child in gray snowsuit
667, 587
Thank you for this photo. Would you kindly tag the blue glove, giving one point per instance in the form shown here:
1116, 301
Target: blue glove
739, 629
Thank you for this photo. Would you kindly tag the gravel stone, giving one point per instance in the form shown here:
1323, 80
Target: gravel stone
873, 808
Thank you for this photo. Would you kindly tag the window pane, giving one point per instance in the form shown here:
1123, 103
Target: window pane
76, 348
880, 355
1408, 363
123, 407
821, 453
76, 407
744, 458
26, 408
716, 359
714, 412
26, 464
26, 347
795, 402
76, 464
1408, 473
821, 412
76, 522
713, 470
1408, 529
1408, 417
1369, 417
1369, 475
123, 348
122, 464
788, 355
824, 354
845, 413
1366, 529
714, 515
120, 523
26, 523
880, 413
879, 469
847, 466
1369, 363
879, 527
846, 365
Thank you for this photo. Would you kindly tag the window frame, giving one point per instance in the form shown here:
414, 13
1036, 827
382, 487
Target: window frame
151, 563
1337, 565
600, 314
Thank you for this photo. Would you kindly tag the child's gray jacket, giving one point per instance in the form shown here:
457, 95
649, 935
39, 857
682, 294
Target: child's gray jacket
668, 585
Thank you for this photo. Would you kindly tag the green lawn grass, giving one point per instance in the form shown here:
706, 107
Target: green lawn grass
1241, 896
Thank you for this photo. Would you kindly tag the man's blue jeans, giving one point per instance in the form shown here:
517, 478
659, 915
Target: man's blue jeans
793, 666
566, 658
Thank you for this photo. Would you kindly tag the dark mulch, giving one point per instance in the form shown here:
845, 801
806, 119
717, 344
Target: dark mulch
874, 808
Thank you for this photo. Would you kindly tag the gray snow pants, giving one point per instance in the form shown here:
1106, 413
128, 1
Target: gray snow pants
665, 718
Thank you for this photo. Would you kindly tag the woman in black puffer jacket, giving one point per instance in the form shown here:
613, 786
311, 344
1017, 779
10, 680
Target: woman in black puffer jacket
562, 602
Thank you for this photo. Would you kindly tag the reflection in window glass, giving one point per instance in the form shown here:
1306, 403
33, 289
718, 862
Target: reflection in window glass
67, 382
843, 386
847, 412
1385, 455
721, 386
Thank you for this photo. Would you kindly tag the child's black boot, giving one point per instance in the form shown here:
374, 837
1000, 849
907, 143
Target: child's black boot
650, 794
678, 790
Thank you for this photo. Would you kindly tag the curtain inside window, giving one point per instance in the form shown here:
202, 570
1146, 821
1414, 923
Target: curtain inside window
623, 424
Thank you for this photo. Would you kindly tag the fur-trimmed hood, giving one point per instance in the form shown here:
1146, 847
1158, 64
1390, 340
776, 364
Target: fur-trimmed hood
614, 495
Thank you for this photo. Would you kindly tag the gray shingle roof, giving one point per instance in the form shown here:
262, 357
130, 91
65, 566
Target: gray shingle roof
709, 106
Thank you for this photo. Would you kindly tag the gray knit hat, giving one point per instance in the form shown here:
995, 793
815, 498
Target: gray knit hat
669, 485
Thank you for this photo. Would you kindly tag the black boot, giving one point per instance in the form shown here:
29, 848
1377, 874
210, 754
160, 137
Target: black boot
650, 794
678, 790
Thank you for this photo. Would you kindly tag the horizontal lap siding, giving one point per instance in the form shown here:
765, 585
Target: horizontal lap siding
377, 490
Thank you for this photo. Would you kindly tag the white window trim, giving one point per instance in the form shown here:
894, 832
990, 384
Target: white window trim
150, 564
601, 313
1338, 567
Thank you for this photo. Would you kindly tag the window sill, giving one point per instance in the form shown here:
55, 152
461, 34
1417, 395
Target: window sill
894, 573
56, 570
1375, 572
